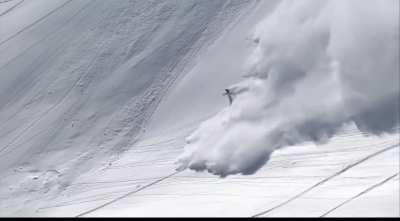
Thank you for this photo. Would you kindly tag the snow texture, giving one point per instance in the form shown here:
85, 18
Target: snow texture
80, 80
99, 98
316, 65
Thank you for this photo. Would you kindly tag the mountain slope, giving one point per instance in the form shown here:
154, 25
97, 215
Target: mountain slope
80, 79
98, 99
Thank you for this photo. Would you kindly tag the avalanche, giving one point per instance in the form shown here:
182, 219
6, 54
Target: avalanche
316, 66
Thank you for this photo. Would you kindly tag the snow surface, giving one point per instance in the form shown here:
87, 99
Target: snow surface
98, 98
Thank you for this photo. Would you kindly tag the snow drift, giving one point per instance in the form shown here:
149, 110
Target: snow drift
316, 65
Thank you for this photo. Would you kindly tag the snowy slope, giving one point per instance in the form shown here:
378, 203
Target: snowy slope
98, 97
305, 180
268, 193
79, 79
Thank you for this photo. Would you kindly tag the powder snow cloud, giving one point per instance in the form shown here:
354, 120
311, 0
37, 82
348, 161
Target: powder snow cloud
316, 65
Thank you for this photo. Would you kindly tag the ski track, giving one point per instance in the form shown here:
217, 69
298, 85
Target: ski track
11, 8
128, 183
326, 179
35, 22
128, 194
53, 32
5, 1
61, 101
360, 194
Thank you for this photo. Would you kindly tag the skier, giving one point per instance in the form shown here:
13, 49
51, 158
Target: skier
229, 94
234, 91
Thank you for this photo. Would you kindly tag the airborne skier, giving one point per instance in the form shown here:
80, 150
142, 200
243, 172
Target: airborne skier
229, 94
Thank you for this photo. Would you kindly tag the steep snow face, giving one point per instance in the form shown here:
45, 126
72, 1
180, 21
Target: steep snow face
315, 66
198, 94
80, 79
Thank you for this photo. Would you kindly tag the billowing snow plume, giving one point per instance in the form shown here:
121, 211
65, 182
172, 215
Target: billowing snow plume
316, 65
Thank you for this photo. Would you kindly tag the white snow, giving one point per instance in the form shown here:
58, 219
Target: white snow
99, 98
318, 170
